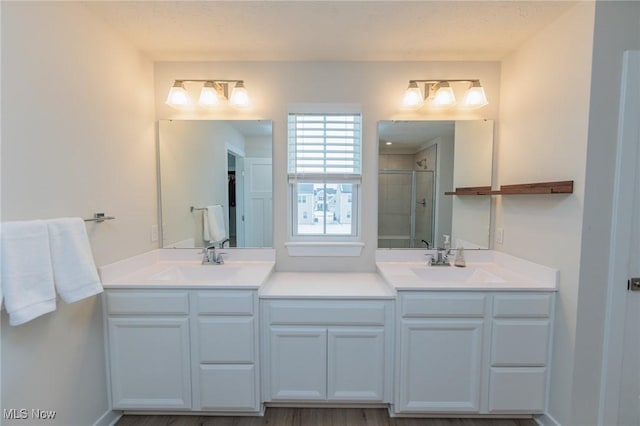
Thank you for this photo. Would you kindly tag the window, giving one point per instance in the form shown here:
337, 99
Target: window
324, 164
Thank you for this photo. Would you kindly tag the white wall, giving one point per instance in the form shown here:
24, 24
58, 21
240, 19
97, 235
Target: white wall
377, 86
193, 166
77, 138
473, 154
544, 111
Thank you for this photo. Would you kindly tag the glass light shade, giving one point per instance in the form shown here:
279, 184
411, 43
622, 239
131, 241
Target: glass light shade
412, 96
239, 96
178, 95
475, 96
444, 96
209, 95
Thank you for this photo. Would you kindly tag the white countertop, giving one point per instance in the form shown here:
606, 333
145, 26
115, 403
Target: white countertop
494, 271
182, 268
397, 270
326, 285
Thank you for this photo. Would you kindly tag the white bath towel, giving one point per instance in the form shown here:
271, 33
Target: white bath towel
74, 271
27, 276
213, 219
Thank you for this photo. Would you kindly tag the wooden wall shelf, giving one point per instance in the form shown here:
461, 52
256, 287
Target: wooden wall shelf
561, 187
471, 190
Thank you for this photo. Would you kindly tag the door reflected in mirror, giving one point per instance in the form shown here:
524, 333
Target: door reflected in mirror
418, 162
208, 163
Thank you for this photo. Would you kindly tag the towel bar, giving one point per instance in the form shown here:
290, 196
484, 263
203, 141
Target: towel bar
191, 209
99, 217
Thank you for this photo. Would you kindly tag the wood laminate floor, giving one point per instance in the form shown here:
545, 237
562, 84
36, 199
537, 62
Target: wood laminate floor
315, 417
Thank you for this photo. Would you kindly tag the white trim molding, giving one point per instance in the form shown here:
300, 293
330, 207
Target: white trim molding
324, 249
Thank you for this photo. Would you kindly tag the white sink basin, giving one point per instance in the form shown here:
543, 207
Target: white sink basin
197, 273
453, 275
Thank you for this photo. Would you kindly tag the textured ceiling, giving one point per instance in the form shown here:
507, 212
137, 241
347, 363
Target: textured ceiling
327, 30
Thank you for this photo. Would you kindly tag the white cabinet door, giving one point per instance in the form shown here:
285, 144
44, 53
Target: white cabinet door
298, 366
356, 361
440, 365
150, 366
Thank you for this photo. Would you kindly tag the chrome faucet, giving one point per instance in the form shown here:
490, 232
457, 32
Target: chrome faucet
211, 257
441, 257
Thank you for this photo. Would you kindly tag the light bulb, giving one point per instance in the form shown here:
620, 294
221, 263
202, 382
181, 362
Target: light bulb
178, 95
209, 95
444, 96
475, 96
239, 96
412, 96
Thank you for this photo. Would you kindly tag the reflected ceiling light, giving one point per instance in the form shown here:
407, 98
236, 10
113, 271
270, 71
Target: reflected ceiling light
213, 93
440, 94
388, 143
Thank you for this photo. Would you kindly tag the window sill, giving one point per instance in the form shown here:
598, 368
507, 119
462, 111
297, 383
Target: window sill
324, 249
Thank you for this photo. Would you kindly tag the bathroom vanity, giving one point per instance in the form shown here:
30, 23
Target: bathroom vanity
421, 340
180, 339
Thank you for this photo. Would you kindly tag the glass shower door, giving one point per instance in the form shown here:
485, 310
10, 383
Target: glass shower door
405, 208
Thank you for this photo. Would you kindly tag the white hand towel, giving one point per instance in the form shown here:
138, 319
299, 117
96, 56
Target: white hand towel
214, 229
27, 276
74, 271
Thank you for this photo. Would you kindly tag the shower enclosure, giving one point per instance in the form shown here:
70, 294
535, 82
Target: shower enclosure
406, 208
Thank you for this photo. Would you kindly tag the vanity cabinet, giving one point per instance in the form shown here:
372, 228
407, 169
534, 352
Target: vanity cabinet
327, 351
183, 350
440, 354
484, 352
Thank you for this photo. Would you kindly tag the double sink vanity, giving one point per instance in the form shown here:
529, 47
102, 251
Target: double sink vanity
419, 339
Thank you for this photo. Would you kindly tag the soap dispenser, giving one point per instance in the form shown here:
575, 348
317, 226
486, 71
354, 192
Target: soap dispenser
459, 261
446, 243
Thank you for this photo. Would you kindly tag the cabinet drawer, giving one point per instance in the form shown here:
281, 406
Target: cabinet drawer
326, 312
442, 305
220, 302
538, 305
520, 342
226, 339
516, 390
147, 302
228, 388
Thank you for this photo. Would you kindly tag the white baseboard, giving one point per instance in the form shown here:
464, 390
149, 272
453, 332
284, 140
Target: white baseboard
546, 420
110, 418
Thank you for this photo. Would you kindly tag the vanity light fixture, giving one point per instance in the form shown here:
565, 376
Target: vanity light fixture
213, 93
239, 96
475, 96
444, 96
178, 95
439, 94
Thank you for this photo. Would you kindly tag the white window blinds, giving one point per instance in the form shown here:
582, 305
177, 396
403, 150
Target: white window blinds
324, 144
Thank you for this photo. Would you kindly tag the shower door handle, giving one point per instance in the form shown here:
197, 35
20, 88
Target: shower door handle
423, 202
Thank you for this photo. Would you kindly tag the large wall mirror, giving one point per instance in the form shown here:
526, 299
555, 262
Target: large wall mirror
217, 166
418, 162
